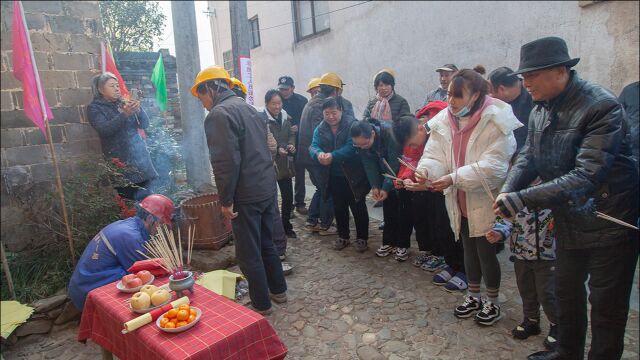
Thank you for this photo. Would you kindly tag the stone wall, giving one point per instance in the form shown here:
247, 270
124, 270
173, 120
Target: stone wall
66, 43
136, 69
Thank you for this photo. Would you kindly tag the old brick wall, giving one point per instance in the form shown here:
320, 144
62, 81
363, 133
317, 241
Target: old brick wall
66, 43
136, 69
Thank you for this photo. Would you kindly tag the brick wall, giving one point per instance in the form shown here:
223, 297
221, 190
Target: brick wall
66, 43
136, 69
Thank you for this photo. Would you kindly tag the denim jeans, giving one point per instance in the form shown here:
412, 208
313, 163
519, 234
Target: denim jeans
278, 235
256, 253
320, 210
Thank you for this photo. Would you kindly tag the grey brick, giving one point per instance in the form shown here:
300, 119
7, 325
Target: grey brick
46, 7
42, 60
35, 137
66, 24
70, 61
58, 79
6, 41
14, 119
15, 176
45, 172
50, 42
8, 81
84, 43
79, 148
65, 114
11, 138
82, 9
35, 21
70, 97
84, 77
27, 155
50, 94
6, 100
80, 132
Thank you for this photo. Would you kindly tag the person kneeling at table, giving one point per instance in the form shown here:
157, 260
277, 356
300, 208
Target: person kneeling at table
113, 250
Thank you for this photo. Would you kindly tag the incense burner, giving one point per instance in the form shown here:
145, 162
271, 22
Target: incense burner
179, 285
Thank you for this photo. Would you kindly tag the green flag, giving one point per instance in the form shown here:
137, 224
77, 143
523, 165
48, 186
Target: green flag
160, 81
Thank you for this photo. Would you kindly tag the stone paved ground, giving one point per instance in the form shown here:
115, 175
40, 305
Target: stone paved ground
346, 305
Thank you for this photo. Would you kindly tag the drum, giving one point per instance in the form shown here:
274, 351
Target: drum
212, 230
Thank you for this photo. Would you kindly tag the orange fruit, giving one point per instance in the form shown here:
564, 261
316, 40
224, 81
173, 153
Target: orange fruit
181, 323
172, 313
174, 321
191, 318
182, 315
193, 312
163, 322
170, 325
184, 307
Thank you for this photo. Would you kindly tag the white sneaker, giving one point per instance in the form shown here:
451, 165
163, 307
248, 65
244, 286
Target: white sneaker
401, 254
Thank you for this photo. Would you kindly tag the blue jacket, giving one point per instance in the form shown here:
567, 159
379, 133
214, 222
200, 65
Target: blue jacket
384, 147
107, 257
120, 139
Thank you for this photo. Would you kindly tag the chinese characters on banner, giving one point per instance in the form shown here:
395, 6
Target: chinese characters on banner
246, 77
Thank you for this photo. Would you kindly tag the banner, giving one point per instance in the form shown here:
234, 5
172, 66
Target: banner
246, 76
159, 80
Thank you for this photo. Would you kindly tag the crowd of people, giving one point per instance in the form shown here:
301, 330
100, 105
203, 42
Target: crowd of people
522, 157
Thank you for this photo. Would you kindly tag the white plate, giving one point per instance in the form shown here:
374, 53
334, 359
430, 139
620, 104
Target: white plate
122, 288
144, 311
182, 328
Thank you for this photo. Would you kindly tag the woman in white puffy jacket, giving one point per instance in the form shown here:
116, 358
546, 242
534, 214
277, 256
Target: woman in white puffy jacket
467, 156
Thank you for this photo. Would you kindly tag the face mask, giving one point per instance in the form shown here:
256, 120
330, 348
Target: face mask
463, 112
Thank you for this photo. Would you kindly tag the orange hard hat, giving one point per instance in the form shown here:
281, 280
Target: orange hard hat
210, 73
159, 206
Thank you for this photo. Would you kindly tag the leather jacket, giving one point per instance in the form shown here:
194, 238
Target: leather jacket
577, 145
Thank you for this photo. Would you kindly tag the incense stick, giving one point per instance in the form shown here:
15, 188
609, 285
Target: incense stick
411, 167
483, 181
615, 220
391, 177
391, 172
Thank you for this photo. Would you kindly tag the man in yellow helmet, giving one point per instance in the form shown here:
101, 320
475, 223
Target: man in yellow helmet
243, 169
313, 87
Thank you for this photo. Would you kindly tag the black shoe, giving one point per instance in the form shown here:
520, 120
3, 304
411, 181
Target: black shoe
527, 328
381, 226
546, 355
291, 234
551, 341
489, 314
468, 307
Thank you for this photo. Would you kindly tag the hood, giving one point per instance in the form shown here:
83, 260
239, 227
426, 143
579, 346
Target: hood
500, 113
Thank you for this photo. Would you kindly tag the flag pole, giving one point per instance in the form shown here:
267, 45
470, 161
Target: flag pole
50, 141
103, 65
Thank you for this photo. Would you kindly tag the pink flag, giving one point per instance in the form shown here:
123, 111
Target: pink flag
25, 70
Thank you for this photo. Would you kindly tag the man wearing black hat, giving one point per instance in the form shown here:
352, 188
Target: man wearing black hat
440, 94
293, 104
577, 145
507, 86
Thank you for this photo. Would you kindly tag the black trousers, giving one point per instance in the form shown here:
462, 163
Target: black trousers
610, 270
426, 222
343, 200
300, 189
396, 231
440, 229
286, 192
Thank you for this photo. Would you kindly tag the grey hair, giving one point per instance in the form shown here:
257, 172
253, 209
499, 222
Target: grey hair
98, 82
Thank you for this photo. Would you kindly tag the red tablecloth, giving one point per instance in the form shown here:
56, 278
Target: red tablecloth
226, 330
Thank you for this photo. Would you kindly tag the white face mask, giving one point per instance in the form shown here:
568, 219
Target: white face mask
464, 111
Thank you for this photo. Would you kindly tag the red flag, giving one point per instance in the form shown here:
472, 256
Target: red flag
25, 70
110, 66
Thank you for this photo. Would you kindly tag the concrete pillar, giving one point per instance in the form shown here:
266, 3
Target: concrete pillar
240, 33
194, 145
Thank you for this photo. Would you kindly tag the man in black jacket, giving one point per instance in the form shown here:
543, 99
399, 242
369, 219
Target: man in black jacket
245, 180
293, 103
577, 145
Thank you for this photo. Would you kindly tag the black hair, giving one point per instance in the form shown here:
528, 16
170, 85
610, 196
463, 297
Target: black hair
331, 103
404, 128
327, 90
503, 76
270, 94
474, 82
385, 78
361, 128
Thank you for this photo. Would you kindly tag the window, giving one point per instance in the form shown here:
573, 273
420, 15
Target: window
227, 58
255, 32
311, 17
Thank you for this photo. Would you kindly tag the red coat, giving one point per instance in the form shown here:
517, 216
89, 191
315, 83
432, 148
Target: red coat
412, 156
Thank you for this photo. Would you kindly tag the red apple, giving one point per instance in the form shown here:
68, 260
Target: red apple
127, 278
134, 283
144, 275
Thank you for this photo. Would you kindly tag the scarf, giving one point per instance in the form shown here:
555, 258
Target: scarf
460, 139
382, 110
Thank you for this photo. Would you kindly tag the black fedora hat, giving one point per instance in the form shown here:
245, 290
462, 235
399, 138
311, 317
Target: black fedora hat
544, 53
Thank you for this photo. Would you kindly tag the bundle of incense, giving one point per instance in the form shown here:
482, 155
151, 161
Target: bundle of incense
151, 316
391, 172
615, 220
409, 166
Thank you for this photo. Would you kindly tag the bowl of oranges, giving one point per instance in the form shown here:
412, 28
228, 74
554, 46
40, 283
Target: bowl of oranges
179, 319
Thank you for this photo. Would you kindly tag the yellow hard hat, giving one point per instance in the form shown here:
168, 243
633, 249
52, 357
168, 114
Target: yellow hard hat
314, 82
210, 73
387, 70
331, 79
237, 83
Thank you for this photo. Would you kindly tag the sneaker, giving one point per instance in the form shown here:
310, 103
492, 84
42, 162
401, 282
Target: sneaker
311, 227
551, 341
279, 298
489, 314
331, 230
385, 250
421, 258
443, 276
381, 226
361, 245
291, 234
527, 328
283, 256
340, 243
457, 283
434, 263
287, 269
401, 254
302, 210
469, 307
